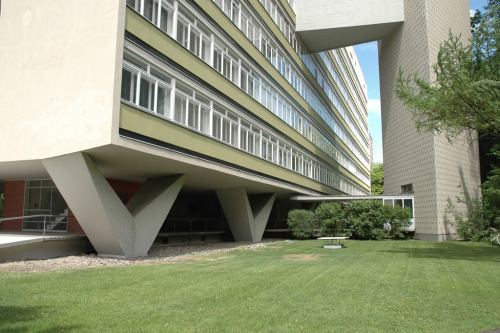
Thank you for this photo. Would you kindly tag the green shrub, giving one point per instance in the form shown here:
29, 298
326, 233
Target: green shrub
470, 224
360, 227
371, 219
330, 218
364, 216
494, 236
379, 234
481, 219
301, 222
401, 219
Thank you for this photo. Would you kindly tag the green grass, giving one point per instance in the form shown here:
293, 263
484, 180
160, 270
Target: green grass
385, 286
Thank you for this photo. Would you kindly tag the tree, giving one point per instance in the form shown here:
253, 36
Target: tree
465, 96
377, 177
466, 92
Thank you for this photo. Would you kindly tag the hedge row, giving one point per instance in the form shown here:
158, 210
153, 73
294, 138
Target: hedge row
363, 219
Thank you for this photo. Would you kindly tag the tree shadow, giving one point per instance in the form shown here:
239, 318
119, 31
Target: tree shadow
15, 319
451, 250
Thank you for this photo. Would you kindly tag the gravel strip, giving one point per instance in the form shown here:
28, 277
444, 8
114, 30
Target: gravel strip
157, 255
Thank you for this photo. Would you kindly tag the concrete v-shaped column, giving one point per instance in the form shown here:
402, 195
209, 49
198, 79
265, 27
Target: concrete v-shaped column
246, 220
112, 228
150, 206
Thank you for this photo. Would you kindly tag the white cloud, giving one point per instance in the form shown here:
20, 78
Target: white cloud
472, 12
373, 106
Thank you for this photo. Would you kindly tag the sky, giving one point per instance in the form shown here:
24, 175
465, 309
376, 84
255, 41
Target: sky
368, 59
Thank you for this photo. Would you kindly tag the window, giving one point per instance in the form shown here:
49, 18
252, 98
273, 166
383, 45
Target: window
408, 188
43, 198
145, 95
128, 85
150, 10
133, 3
216, 125
193, 115
152, 89
163, 101
205, 119
408, 203
180, 108
166, 18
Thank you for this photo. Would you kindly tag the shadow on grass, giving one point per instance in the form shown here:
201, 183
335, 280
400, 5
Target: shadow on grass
21, 319
452, 250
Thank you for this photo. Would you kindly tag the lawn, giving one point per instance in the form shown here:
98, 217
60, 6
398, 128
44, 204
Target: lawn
384, 286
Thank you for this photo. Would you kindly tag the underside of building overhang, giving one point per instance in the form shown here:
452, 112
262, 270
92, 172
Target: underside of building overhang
326, 25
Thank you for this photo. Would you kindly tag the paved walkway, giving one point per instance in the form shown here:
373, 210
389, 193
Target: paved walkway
8, 239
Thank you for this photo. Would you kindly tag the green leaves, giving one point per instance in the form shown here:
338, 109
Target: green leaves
301, 222
330, 217
377, 178
465, 94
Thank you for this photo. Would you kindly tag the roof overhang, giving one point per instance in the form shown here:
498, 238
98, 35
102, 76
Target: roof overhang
342, 198
325, 25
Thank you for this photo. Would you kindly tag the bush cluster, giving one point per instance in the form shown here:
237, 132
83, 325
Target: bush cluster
371, 219
301, 222
480, 221
364, 219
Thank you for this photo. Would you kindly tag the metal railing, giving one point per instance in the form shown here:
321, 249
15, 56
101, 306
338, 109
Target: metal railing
45, 216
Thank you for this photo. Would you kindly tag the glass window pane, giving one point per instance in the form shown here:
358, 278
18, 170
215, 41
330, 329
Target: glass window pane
33, 183
145, 94
58, 206
205, 120
180, 108
45, 198
163, 106
149, 9
32, 198
47, 183
192, 117
166, 20
216, 124
409, 204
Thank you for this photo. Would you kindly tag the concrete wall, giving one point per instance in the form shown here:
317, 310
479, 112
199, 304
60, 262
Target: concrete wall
434, 167
53, 101
44, 249
325, 24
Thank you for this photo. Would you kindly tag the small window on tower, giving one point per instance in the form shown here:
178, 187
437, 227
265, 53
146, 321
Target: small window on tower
408, 188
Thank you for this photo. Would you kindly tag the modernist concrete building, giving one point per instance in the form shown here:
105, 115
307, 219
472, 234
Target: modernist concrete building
142, 116
153, 115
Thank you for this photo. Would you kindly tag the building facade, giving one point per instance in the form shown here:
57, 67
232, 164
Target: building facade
428, 166
138, 111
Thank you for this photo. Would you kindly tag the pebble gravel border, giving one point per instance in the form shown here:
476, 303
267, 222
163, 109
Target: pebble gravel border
157, 255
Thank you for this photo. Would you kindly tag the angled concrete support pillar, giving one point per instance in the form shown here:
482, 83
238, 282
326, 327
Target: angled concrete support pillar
107, 223
246, 219
113, 228
149, 207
